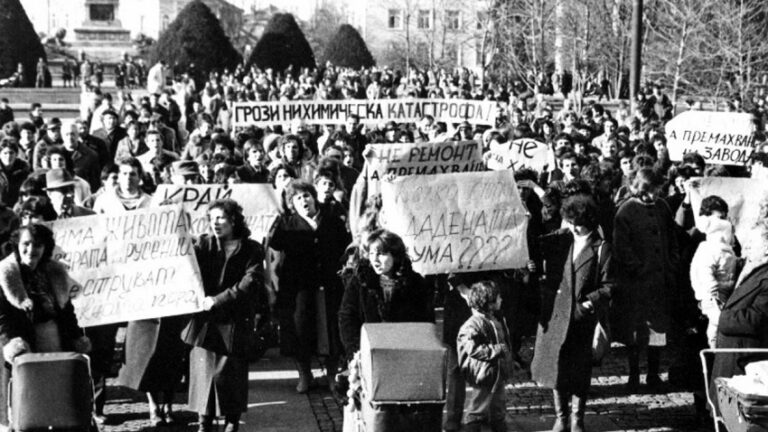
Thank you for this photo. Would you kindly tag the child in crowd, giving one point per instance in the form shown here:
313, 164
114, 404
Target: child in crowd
484, 356
713, 271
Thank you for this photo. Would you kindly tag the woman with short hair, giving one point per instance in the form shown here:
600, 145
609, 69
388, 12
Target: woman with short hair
647, 257
575, 296
313, 241
382, 288
232, 270
36, 312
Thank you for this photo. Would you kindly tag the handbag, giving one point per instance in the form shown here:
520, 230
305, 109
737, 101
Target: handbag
601, 339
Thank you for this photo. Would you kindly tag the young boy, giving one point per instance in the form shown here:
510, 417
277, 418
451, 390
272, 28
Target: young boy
483, 349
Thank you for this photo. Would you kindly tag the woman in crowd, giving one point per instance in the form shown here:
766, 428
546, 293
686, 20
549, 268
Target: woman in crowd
13, 171
744, 317
293, 153
575, 295
36, 314
313, 241
383, 288
232, 270
647, 257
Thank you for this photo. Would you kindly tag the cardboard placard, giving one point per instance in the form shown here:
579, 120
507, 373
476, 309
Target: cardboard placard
132, 266
520, 153
259, 201
262, 114
463, 222
722, 138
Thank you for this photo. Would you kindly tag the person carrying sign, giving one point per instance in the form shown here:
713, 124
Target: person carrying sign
232, 269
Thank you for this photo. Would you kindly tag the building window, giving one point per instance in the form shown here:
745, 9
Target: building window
425, 19
452, 20
395, 20
166, 21
102, 12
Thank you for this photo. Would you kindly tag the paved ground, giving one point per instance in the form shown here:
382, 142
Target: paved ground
274, 406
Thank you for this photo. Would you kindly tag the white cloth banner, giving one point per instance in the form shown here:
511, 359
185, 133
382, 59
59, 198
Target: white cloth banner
263, 114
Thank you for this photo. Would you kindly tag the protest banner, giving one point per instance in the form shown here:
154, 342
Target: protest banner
743, 196
520, 153
262, 114
132, 266
722, 138
464, 222
403, 159
259, 201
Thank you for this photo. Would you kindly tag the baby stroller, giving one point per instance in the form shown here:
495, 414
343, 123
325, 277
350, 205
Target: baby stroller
51, 391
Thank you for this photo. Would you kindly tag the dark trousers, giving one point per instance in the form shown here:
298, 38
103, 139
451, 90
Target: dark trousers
102, 355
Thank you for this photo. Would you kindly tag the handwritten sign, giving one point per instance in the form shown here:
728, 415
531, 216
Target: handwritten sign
133, 266
743, 196
259, 201
520, 153
722, 138
463, 222
263, 114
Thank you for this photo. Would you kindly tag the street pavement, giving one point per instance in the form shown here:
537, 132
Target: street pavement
274, 405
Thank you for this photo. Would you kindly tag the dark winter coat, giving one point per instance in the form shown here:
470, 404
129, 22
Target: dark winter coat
364, 302
237, 286
646, 255
312, 259
743, 324
563, 353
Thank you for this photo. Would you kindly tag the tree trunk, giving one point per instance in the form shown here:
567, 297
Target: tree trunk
559, 17
679, 64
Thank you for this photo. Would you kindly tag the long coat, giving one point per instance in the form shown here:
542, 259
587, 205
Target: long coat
364, 302
563, 353
154, 354
312, 259
646, 254
237, 287
743, 324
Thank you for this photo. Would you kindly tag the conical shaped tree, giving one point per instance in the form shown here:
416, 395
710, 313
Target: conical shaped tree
282, 45
348, 49
196, 37
19, 42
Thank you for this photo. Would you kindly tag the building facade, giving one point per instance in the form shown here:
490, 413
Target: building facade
443, 33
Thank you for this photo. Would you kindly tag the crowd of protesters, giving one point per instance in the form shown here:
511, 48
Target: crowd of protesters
611, 240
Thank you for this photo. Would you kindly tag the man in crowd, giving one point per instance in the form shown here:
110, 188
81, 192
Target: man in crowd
112, 133
85, 162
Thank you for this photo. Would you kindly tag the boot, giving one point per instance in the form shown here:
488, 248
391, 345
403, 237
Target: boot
652, 380
578, 406
633, 357
331, 369
205, 423
562, 411
232, 423
305, 377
